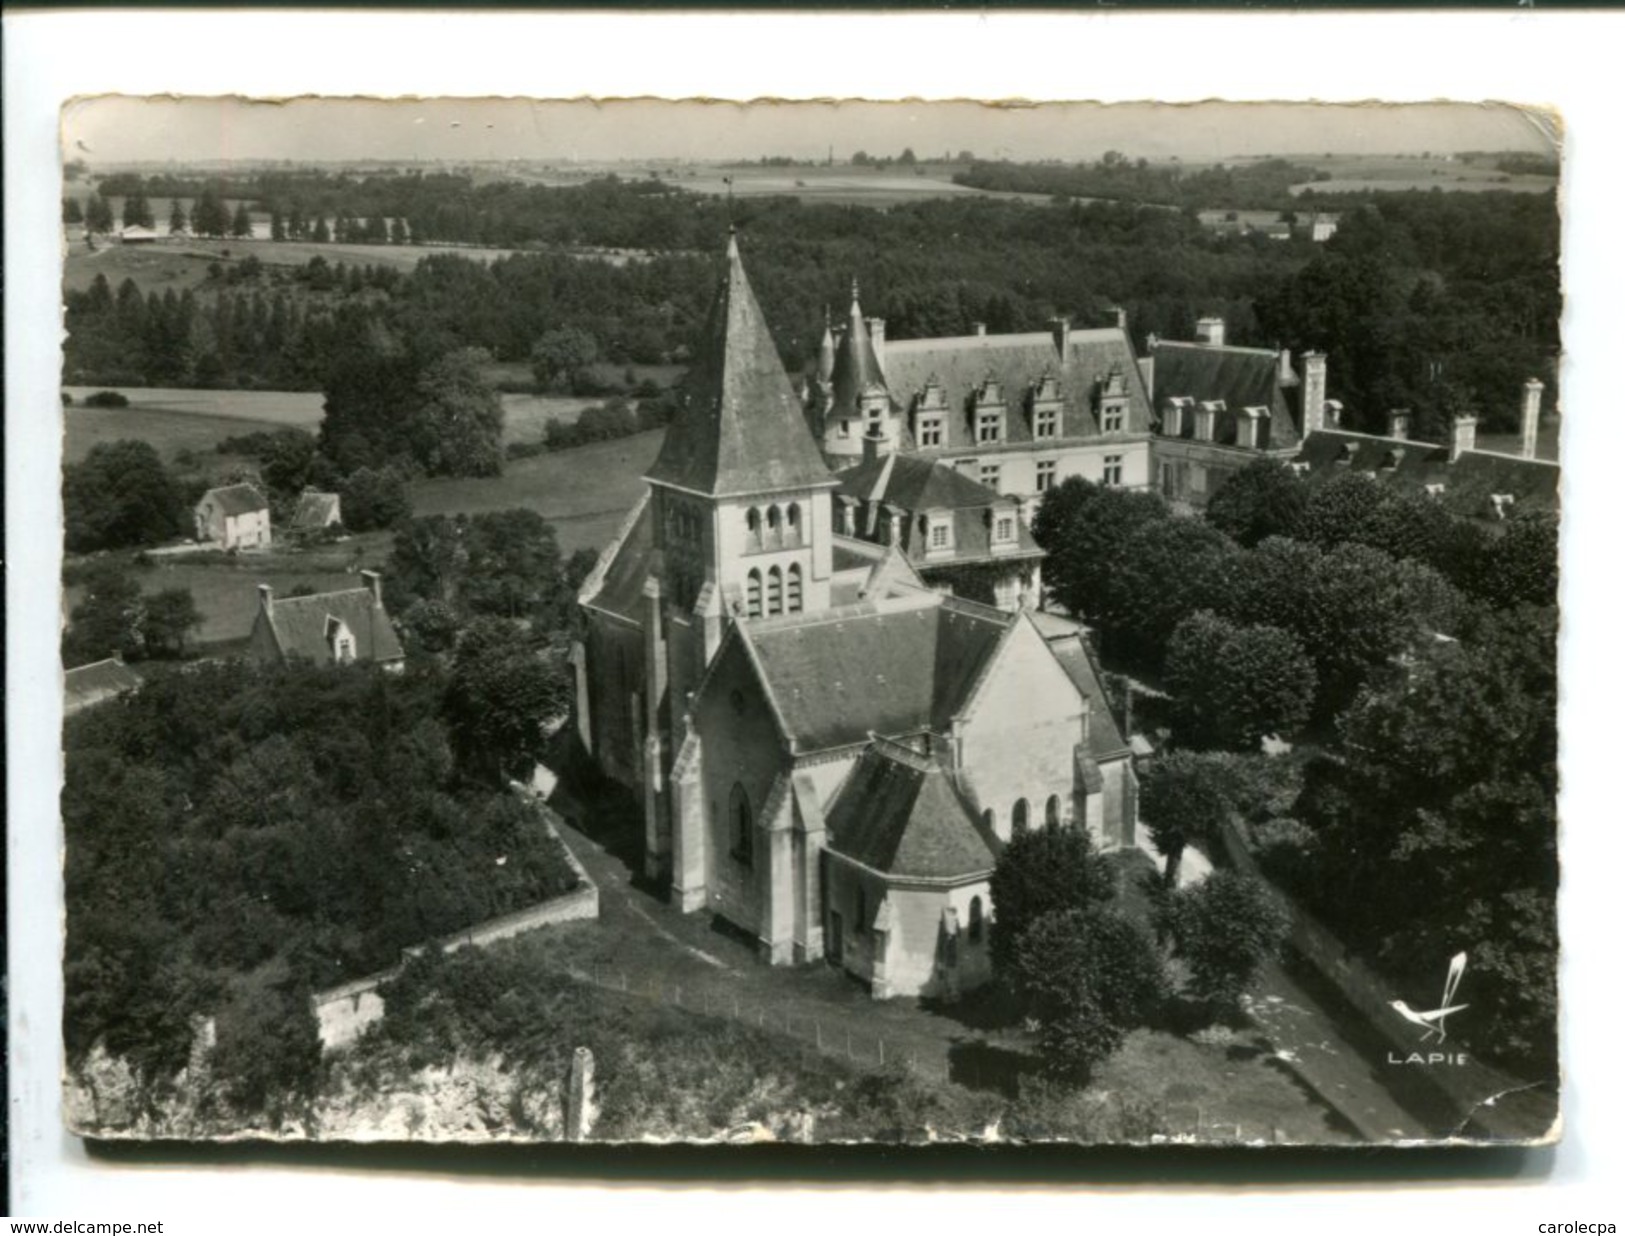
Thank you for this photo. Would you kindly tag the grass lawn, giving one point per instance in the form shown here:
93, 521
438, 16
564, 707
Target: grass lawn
584, 492
225, 586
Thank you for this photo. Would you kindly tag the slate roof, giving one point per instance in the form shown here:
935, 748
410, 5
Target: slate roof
896, 668
1472, 479
91, 684
316, 510
1404, 462
961, 364
900, 814
739, 428
918, 485
238, 499
616, 584
1240, 377
856, 366
299, 626
1105, 737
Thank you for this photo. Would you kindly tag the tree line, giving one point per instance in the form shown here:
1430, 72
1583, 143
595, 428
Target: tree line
1411, 651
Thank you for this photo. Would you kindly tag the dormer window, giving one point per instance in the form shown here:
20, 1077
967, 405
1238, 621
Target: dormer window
1113, 402
928, 429
1207, 418
930, 414
1004, 528
1047, 407
939, 534
990, 411
1175, 415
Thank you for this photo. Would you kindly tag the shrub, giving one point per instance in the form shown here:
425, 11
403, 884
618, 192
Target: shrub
107, 399
1224, 929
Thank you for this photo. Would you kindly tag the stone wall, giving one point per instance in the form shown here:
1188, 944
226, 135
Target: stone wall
344, 1012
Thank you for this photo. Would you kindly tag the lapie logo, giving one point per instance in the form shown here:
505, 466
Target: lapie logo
1432, 1022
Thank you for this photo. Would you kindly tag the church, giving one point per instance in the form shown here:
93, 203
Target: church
830, 745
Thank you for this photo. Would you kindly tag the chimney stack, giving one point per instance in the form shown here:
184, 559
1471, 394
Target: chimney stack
266, 599
1314, 392
1466, 436
1063, 337
1283, 368
978, 328
1399, 423
1210, 331
1120, 316
875, 446
1531, 416
375, 582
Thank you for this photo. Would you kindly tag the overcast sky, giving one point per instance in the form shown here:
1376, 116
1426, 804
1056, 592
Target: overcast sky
118, 130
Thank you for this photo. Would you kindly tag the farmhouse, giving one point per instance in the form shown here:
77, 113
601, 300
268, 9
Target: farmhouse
316, 511
829, 750
327, 628
233, 517
91, 684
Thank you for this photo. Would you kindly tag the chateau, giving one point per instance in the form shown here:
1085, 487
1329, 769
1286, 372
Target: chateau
830, 748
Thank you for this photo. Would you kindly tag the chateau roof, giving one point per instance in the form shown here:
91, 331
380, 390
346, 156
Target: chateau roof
1240, 377
895, 668
616, 583
856, 366
1105, 738
901, 815
299, 625
960, 365
93, 683
739, 428
238, 499
1473, 478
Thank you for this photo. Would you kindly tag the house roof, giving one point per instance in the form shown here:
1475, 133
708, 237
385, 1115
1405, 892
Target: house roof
1239, 377
300, 625
900, 814
315, 510
857, 369
93, 683
1401, 461
893, 667
1477, 475
238, 499
739, 427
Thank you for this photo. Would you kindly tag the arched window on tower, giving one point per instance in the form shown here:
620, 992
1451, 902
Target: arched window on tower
775, 528
1052, 809
753, 594
753, 529
1018, 818
792, 524
739, 825
792, 589
775, 591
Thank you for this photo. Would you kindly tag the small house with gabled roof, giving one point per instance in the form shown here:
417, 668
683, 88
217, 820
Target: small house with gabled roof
327, 628
233, 517
315, 511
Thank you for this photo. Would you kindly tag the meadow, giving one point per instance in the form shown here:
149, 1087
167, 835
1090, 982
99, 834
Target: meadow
195, 420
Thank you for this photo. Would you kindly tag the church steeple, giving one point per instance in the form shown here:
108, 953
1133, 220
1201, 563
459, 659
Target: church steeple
739, 428
859, 399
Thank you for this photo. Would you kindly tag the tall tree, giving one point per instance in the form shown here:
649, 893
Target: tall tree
1048, 870
242, 226
455, 423
1225, 929
177, 217
1235, 685
120, 494
1266, 498
504, 689
1184, 799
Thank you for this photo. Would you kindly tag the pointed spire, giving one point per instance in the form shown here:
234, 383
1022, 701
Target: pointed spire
856, 367
740, 427
826, 353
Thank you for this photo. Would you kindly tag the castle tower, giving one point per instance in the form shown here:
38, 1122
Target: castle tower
740, 500
858, 403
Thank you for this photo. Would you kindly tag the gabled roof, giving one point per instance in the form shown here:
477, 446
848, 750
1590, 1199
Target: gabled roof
91, 684
1240, 377
1072, 651
1403, 461
899, 813
1468, 485
238, 499
300, 626
316, 510
739, 427
1477, 475
893, 667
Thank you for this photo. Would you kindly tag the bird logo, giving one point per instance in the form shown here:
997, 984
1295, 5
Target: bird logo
1432, 1022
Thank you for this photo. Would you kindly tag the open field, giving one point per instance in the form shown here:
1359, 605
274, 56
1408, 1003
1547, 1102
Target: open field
840, 184
1357, 173
584, 492
174, 420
